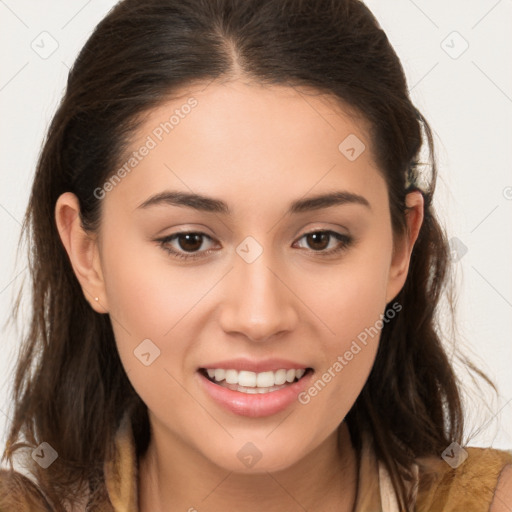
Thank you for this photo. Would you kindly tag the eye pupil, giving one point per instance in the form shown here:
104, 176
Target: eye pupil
195, 238
321, 238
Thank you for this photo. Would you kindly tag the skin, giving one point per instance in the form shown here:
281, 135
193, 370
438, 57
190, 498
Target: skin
258, 149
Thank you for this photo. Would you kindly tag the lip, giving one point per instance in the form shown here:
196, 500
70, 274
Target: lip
251, 365
254, 405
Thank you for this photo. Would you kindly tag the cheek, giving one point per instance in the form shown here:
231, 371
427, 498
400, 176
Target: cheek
146, 293
349, 297
350, 301
146, 299
148, 308
354, 315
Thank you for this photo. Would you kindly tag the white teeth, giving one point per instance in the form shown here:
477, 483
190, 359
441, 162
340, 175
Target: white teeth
247, 379
280, 377
265, 379
255, 380
231, 377
251, 391
219, 374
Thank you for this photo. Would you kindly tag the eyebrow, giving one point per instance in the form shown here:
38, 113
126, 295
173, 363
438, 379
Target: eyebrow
212, 205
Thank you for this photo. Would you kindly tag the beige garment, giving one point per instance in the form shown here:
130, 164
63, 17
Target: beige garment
438, 487
375, 492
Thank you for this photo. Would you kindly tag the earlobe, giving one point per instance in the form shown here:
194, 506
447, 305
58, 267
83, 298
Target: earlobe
82, 249
403, 247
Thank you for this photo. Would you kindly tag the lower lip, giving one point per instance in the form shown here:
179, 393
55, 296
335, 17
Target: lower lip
255, 405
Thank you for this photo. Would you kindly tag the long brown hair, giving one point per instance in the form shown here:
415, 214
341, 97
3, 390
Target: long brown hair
70, 387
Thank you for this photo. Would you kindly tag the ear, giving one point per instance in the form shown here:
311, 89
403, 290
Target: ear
404, 244
82, 249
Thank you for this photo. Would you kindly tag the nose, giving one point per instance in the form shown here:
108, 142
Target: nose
259, 303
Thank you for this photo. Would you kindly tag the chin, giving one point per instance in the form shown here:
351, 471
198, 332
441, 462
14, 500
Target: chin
256, 457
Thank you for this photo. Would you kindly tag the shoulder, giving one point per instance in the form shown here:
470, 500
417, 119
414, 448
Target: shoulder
19, 493
469, 479
502, 501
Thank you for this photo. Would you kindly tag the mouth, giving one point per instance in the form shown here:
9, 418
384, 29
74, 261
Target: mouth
252, 382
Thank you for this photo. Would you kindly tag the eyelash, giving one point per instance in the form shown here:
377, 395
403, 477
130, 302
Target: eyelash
163, 242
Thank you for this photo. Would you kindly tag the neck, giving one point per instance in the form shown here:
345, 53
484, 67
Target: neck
326, 479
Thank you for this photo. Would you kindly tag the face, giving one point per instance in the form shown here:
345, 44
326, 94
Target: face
258, 278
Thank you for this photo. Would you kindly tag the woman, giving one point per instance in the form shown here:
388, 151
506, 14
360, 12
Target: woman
236, 276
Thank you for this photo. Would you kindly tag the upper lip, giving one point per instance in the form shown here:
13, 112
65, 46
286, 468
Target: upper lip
252, 365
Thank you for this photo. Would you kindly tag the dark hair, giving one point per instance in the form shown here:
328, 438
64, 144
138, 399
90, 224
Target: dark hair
70, 387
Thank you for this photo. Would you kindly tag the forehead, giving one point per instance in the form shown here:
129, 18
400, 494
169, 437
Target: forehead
265, 112
223, 138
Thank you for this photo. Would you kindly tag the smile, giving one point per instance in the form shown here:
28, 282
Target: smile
252, 382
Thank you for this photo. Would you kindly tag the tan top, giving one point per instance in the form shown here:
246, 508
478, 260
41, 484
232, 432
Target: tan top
438, 487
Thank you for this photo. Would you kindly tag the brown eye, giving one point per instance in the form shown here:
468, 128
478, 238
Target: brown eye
326, 242
318, 240
186, 245
190, 241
